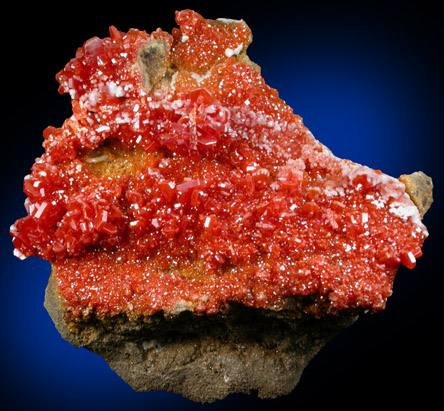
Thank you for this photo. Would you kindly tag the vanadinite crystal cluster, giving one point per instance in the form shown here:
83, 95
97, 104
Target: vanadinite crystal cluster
183, 182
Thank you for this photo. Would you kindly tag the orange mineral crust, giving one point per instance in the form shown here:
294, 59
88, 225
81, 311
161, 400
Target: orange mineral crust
183, 182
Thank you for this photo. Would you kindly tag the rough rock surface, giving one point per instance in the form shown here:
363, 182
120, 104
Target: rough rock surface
419, 187
205, 358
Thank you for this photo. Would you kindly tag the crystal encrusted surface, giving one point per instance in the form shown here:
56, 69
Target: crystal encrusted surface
183, 181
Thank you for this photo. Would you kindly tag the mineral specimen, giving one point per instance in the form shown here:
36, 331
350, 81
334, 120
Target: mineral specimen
182, 183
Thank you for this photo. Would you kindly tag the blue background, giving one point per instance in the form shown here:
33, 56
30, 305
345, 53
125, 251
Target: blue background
366, 77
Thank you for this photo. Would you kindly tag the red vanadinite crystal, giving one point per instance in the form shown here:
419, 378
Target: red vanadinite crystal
206, 192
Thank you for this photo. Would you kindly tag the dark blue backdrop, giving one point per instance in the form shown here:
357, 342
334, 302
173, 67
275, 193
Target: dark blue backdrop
367, 80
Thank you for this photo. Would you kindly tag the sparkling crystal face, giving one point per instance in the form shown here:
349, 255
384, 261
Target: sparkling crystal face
183, 181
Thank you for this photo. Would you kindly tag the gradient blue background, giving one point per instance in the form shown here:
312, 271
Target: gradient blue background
366, 77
